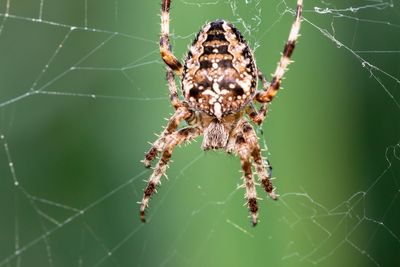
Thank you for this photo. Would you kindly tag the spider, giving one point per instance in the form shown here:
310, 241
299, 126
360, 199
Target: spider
219, 83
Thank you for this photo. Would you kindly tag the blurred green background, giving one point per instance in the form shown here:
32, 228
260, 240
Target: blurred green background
82, 91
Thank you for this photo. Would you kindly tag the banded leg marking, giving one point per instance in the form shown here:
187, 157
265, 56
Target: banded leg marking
179, 115
244, 153
165, 46
175, 139
268, 94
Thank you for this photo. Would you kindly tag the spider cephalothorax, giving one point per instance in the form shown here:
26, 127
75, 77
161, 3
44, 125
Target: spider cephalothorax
219, 83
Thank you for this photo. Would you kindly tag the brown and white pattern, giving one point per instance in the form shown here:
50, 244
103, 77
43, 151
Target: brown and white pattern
219, 84
219, 74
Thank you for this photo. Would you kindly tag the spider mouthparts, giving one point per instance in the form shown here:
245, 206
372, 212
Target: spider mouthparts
254, 222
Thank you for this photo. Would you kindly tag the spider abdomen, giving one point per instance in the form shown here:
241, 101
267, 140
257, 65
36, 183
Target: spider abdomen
220, 75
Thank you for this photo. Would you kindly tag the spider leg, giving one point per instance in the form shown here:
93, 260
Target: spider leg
174, 139
167, 55
258, 116
269, 93
165, 47
244, 152
173, 92
262, 172
179, 115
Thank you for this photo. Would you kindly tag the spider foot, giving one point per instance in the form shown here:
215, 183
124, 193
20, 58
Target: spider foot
268, 187
254, 220
273, 195
252, 204
146, 163
142, 217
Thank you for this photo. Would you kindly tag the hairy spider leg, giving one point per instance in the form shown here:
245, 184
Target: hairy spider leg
173, 123
269, 93
243, 149
258, 116
165, 46
263, 175
173, 64
173, 92
185, 134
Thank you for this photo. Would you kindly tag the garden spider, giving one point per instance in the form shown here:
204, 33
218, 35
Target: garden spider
219, 83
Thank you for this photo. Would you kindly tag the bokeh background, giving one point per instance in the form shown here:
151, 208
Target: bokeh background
82, 91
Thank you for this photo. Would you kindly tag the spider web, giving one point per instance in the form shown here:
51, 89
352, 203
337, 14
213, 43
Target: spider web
82, 88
